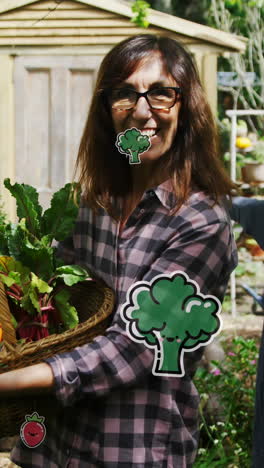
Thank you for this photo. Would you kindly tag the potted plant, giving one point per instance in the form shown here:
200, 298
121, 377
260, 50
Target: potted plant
253, 163
243, 143
37, 282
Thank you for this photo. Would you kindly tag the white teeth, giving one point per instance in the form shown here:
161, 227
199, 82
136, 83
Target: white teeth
149, 133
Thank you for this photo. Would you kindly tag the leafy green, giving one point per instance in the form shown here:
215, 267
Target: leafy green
58, 220
71, 274
27, 205
68, 312
3, 239
140, 13
34, 278
30, 240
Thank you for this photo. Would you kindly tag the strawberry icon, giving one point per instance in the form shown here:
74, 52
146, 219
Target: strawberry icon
33, 431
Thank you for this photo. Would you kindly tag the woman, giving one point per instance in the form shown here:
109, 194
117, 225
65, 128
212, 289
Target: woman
136, 222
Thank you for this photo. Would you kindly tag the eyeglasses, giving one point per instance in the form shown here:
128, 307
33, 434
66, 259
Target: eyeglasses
157, 98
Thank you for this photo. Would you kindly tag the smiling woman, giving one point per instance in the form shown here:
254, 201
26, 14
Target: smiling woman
150, 83
155, 112
138, 223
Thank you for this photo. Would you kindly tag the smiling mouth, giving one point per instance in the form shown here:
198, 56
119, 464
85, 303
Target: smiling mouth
150, 133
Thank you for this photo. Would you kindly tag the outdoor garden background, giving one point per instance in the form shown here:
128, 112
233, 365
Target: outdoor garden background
226, 380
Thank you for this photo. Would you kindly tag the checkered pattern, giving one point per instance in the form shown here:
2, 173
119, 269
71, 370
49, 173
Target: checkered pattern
115, 412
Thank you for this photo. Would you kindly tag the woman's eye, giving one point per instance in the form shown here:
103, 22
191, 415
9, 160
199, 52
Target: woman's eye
161, 93
120, 94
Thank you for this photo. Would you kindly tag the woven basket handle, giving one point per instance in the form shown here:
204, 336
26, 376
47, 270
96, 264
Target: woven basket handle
9, 334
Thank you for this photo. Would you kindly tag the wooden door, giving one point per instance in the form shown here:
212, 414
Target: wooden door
52, 96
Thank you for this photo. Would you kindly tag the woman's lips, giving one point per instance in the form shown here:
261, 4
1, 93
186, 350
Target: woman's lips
151, 133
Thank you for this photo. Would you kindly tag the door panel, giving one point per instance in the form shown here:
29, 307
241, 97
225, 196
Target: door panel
52, 96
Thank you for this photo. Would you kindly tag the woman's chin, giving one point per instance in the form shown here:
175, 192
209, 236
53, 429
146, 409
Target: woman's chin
150, 156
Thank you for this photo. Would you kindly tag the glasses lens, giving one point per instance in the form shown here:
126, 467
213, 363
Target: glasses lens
162, 98
122, 98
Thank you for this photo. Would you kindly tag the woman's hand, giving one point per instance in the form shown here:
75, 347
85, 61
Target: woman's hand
28, 380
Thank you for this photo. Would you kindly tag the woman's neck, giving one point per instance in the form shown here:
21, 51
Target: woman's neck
145, 177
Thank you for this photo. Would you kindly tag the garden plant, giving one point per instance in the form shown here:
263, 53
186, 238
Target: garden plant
36, 280
227, 391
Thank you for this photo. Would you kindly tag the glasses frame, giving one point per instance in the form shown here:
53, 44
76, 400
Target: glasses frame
177, 89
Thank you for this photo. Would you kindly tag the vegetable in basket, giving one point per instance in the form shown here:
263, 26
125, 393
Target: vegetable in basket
36, 281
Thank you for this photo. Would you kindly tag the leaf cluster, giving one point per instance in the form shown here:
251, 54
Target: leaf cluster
30, 240
140, 10
244, 18
35, 278
226, 424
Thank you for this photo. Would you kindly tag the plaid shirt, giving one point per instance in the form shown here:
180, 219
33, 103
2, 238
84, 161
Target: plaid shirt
116, 413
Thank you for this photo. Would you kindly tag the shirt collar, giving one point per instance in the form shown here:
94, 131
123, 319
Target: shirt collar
165, 194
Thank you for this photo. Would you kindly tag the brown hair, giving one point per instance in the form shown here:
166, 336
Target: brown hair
192, 159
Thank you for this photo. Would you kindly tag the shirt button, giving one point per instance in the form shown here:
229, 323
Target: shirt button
142, 211
68, 452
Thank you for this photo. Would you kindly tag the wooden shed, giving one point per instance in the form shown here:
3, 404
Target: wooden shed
50, 51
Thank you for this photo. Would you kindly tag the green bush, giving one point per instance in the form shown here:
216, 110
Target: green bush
226, 426
2, 213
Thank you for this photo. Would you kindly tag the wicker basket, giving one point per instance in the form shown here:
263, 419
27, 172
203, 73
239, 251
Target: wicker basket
94, 302
9, 334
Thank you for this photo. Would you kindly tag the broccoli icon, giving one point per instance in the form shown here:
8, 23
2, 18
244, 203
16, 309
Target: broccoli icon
132, 142
172, 316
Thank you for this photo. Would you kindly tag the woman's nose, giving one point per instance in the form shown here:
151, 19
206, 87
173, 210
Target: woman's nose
142, 109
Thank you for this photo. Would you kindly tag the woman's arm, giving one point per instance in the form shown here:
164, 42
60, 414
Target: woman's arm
206, 255
28, 380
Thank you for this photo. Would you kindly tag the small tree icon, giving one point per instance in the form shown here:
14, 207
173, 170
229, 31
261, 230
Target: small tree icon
132, 142
173, 317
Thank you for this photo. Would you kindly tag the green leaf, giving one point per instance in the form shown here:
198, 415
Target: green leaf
39, 284
28, 206
37, 257
58, 221
16, 240
46, 240
68, 312
140, 10
7, 281
15, 276
4, 230
33, 291
35, 417
34, 297
14, 269
71, 274
30, 300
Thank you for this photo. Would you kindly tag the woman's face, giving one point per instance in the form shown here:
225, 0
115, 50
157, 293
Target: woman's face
159, 124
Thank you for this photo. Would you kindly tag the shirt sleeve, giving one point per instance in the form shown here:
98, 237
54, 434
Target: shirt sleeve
206, 255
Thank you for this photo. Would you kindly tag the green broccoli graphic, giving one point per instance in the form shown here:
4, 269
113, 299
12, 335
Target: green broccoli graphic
173, 317
132, 142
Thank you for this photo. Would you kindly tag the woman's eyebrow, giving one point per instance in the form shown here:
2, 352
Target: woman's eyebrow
156, 84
